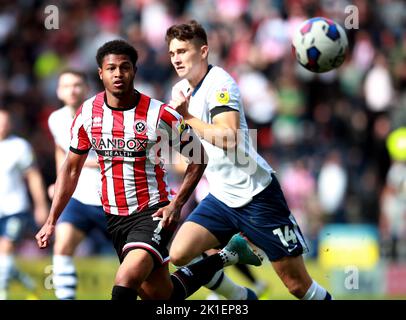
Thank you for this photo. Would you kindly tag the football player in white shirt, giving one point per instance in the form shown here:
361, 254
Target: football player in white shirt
245, 195
17, 164
84, 211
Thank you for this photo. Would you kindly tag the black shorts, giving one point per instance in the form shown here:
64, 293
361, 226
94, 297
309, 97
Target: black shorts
140, 231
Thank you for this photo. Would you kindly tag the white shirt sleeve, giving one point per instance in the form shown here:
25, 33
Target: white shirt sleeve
225, 94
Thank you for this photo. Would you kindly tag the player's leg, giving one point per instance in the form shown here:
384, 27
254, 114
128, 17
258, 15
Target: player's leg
191, 240
136, 277
141, 245
206, 228
259, 285
6, 265
269, 224
158, 285
67, 238
69, 232
293, 273
221, 285
188, 279
11, 230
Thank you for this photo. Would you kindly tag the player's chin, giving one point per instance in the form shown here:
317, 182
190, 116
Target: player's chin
181, 72
118, 92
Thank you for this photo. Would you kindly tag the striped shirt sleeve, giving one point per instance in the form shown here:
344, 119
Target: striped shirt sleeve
80, 142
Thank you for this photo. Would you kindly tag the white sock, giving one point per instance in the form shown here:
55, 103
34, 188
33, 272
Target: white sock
64, 277
6, 269
229, 257
229, 289
316, 292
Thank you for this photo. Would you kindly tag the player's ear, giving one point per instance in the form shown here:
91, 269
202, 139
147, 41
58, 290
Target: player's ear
100, 73
204, 51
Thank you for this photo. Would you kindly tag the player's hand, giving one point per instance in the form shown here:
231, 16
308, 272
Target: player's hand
180, 102
170, 216
44, 235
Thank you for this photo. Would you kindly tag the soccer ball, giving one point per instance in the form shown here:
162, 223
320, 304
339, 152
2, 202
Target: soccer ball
320, 44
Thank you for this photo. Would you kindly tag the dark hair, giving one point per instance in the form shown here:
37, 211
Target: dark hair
191, 31
116, 47
75, 72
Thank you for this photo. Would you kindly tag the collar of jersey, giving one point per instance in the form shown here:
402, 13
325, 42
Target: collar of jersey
201, 81
138, 96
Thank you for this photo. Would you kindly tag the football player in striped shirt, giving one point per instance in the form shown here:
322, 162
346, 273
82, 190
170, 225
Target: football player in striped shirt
245, 195
128, 130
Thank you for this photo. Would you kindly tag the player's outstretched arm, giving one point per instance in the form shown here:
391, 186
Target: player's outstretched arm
65, 185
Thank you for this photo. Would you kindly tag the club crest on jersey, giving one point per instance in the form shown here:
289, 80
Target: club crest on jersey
140, 126
222, 96
97, 122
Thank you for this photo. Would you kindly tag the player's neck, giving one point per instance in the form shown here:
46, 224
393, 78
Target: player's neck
195, 81
127, 99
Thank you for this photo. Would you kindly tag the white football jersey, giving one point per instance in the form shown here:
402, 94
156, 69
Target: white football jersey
88, 187
234, 176
16, 157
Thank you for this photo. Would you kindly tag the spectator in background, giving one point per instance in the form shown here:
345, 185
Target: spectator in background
84, 211
17, 164
393, 199
393, 214
378, 85
332, 186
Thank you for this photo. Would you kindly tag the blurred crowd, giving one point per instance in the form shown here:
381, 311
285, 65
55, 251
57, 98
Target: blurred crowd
324, 134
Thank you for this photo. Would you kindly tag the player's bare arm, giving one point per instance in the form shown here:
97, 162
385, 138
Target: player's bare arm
65, 185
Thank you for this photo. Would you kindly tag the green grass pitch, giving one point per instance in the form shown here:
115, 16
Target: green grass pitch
96, 275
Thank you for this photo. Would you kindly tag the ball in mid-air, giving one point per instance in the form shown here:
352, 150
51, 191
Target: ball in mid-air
320, 44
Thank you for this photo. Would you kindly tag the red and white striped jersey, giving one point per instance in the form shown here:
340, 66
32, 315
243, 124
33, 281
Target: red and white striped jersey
126, 139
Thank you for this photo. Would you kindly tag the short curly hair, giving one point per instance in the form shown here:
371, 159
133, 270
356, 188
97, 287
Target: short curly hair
116, 47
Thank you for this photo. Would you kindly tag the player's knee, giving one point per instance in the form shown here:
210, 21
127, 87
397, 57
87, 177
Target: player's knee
179, 258
128, 279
